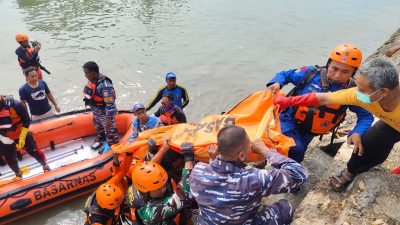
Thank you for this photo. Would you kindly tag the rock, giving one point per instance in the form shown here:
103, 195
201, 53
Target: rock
342, 204
353, 201
345, 223
325, 205
361, 186
379, 222
387, 204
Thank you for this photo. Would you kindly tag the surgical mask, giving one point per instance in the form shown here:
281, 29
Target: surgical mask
365, 98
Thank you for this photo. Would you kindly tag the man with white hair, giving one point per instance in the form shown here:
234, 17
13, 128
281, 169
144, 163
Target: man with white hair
378, 92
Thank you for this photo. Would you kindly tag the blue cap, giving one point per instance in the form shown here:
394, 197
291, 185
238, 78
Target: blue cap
170, 75
138, 106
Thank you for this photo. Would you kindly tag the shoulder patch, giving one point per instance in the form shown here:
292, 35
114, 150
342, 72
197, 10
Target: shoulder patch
302, 69
108, 95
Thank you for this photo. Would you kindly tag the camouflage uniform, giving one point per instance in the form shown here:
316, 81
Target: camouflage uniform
160, 211
105, 90
227, 193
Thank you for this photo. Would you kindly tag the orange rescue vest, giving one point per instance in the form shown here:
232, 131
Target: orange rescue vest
90, 96
322, 119
10, 122
168, 118
29, 53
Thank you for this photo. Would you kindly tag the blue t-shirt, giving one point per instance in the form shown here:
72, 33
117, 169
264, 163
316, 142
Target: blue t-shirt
152, 122
36, 98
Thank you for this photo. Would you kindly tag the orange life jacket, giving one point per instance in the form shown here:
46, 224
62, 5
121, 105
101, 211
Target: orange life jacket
10, 122
322, 119
90, 96
168, 118
29, 53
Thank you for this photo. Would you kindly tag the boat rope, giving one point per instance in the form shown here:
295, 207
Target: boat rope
55, 128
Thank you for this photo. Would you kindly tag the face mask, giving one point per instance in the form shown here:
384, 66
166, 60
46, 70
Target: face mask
366, 98
168, 108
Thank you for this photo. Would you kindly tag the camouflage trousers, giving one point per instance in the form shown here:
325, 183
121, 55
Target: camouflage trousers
99, 121
279, 213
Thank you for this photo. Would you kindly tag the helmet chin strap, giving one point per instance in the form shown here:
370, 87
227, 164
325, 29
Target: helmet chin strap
336, 82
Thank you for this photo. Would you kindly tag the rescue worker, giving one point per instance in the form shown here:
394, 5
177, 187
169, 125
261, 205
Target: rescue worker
303, 123
228, 193
104, 206
152, 193
28, 56
99, 94
142, 121
169, 113
14, 124
377, 91
179, 93
37, 94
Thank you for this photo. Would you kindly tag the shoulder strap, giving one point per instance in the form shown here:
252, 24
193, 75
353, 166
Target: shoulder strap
108, 79
307, 78
324, 80
89, 203
352, 83
9, 102
173, 113
103, 77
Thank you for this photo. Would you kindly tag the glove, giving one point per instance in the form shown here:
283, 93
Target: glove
302, 100
22, 138
152, 146
396, 171
6, 140
187, 151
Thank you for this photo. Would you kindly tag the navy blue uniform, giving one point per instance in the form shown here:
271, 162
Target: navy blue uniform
105, 90
228, 193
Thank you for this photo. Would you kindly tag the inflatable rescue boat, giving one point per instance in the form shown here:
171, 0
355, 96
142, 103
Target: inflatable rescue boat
76, 169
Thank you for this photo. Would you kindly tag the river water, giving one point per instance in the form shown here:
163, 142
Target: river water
221, 50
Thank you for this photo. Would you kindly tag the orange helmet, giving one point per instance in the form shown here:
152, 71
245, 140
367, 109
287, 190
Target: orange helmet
109, 196
134, 163
348, 54
148, 176
21, 37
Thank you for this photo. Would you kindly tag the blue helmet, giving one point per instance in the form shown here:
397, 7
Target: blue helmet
170, 75
138, 106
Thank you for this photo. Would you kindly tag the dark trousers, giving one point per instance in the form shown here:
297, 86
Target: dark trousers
10, 155
378, 142
32, 150
10, 152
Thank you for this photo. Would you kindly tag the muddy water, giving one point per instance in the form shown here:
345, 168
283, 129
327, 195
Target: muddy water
220, 50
